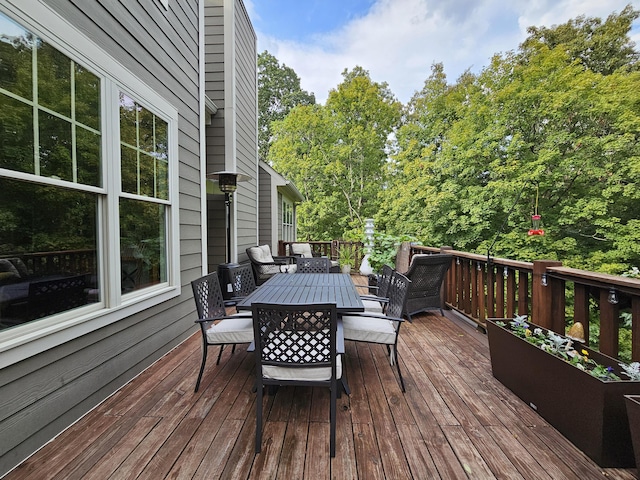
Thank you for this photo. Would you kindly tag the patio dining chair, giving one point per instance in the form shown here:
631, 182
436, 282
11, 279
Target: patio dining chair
377, 303
382, 328
296, 345
427, 274
312, 265
242, 282
216, 327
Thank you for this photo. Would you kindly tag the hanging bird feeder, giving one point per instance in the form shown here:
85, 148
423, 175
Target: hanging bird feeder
535, 220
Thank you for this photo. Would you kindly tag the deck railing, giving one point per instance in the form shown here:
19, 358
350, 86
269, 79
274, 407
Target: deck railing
553, 296
329, 249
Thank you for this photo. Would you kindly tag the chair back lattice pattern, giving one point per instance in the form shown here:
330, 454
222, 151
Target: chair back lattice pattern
242, 280
295, 335
208, 297
398, 289
293, 344
312, 265
384, 280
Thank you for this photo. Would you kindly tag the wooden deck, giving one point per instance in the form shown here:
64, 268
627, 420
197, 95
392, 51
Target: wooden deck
454, 421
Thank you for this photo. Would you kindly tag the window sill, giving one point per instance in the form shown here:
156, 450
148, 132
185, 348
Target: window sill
30, 339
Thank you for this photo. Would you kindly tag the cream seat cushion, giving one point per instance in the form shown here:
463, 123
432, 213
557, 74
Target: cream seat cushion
262, 253
372, 306
232, 330
419, 255
367, 329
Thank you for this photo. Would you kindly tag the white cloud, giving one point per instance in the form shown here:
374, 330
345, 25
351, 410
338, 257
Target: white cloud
399, 40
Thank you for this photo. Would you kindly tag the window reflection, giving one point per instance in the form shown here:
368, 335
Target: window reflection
48, 251
16, 53
54, 79
54, 137
55, 147
16, 135
143, 250
144, 158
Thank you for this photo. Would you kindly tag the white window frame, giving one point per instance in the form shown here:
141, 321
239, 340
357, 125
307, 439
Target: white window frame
19, 343
288, 229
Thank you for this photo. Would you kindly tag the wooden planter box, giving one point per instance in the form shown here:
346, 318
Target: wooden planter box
589, 412
633, 412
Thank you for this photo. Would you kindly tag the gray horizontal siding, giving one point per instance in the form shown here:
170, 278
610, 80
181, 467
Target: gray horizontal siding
42, 395
265, 209
246, 124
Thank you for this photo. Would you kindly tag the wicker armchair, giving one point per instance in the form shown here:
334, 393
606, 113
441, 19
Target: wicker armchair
265, 265
427, 273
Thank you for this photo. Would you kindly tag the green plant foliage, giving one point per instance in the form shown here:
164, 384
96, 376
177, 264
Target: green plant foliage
346, 256
385, 248
558, 119
563, 347
279, 92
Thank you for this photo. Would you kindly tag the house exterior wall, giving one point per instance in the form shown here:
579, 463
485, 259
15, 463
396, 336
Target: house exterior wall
274, 190
43, 394
216, 140
232, 85
266, 207
246, 124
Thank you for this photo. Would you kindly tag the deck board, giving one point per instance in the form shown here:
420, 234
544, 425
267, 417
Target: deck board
454, 421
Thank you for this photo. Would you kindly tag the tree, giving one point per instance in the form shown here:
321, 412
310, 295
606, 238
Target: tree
600, 47
278, 92
550, 122
336, 155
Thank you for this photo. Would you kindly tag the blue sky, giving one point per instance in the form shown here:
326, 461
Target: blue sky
397, 41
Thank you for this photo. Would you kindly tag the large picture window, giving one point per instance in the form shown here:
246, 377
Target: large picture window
63, 200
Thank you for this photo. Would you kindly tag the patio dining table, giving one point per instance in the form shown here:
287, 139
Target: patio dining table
307, 288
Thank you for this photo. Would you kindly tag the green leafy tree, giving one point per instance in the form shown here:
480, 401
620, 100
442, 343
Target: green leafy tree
278, 92
337, 154
549, 122
602, 47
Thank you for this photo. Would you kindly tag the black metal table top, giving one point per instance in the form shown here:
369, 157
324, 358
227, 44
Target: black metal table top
307, 288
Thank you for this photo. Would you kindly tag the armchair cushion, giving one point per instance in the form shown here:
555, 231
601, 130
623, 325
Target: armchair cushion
302, 249
7, 267
261, 253
20, 267
307, 374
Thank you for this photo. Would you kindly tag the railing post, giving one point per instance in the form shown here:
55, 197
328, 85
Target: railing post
447, 291
542, 297
581, 308
609, 326
635, 329
523, 293
403, 258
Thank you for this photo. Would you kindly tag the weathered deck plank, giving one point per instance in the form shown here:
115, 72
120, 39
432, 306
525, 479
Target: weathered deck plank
455, 421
